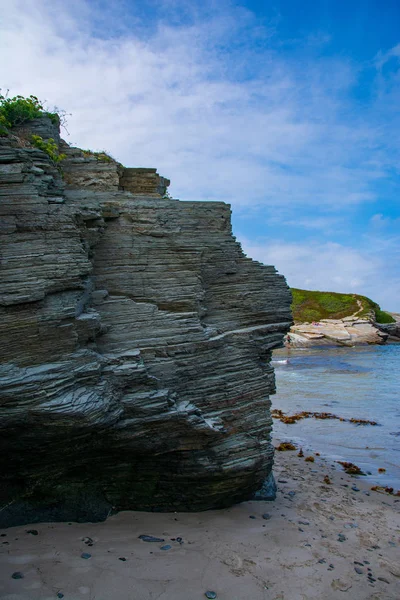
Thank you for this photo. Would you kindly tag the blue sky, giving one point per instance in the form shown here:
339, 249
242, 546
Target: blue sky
287, 110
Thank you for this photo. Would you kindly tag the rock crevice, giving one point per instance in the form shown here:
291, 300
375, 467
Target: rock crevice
137, 337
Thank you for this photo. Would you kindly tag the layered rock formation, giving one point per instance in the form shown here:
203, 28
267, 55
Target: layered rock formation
349, 331
136, 340
391, 329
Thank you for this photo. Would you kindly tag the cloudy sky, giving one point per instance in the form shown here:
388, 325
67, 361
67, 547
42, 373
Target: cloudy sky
288, 110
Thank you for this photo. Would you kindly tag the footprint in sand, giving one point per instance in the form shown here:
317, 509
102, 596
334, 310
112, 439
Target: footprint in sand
236, 564
233, 561
339, 584
84, 590
392, 567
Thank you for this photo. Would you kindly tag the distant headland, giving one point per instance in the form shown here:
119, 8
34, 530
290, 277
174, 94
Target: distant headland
326, 318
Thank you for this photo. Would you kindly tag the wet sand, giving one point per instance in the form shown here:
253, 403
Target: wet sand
296, 553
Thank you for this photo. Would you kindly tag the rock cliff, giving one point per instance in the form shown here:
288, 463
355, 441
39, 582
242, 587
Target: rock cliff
136, 342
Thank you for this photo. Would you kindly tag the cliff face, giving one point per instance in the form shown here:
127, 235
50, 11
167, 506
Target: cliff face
136, 340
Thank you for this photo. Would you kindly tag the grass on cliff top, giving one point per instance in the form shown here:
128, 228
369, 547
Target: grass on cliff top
18, 110
100, 156
308, 306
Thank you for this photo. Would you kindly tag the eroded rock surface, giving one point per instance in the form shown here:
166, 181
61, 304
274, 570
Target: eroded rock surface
341, 332
136, 340
392, 329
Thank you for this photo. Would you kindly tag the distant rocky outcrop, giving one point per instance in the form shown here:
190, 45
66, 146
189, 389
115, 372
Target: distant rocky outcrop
136, 342
326, 318
340, 332
391, 329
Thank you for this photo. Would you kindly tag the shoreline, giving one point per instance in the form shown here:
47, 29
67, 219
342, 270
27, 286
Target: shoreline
319, 541
351, 385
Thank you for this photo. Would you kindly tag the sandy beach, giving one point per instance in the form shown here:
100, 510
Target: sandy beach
315, 541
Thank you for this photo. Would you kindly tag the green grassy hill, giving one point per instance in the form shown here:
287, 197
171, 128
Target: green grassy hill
311, 306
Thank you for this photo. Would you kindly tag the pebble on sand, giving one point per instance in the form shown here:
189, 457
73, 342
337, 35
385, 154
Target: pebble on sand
150, 538
266, 516
86, 555
210, 595
88, 541
17, 575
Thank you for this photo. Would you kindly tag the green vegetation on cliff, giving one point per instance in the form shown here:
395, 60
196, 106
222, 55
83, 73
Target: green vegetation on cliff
18, 110
311, 306
100, 156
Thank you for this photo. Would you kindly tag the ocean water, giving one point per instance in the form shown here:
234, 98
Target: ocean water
361, 382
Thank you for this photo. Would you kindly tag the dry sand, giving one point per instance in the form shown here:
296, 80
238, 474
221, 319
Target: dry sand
294, 555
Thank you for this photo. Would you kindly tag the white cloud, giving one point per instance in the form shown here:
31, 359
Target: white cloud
170, 100
332, 267
379, 221
321, 224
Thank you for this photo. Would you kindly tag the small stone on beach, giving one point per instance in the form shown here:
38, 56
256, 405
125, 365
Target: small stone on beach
86, 555
17, 575
150, 538
210, 595
88, 541
166, 547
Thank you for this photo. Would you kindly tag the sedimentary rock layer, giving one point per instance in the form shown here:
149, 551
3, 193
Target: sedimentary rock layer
136, 340
349, 331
